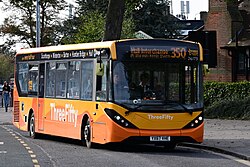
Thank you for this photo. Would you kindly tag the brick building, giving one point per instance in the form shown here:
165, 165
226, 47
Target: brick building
231, 21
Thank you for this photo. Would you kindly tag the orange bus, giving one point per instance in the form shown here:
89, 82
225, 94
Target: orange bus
136, 90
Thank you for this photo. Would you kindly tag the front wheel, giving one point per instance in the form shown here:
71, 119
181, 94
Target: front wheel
87, 134
170, 146
32, 132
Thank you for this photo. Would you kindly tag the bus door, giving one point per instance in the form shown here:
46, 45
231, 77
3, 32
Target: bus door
41, 97
101, 96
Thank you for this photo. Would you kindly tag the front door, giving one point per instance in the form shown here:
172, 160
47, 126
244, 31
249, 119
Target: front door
41, 97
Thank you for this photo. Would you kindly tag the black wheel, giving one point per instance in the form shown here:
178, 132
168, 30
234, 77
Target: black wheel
87, 134
32, 127
170, 146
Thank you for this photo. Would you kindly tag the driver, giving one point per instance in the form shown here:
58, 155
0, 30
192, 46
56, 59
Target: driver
144, 82
144, 86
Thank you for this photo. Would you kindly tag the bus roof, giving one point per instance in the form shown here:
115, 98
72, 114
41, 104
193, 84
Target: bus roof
98, 45
93, 45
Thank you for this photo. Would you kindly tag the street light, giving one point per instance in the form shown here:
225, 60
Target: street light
37, 23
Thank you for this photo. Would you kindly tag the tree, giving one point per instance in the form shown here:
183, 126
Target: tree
114, 19
22, 26
6, 67
234, 1
91, 29
152, 17
87, 6
89, 24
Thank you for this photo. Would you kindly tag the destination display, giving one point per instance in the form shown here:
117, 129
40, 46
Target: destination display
177, 52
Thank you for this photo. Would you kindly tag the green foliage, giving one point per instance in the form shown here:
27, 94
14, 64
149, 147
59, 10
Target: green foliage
233, 1
217, 91
230, 109
21, 26
88, 6
6, 67
152, 18
227, 100
92, 28
128, 28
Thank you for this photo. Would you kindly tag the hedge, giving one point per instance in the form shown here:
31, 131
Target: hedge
230, 109
227, 100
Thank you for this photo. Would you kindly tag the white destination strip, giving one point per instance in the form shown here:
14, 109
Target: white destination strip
3, 152
1, 143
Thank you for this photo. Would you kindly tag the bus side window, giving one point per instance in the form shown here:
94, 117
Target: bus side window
87, 80
23, 70
50, 79
74, 80
61, 70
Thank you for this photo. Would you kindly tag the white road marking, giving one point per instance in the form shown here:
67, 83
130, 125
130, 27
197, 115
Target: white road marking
33, 156
2, 152
34, 161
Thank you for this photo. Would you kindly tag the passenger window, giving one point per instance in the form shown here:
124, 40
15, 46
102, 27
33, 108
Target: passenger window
74, 80
61, 71
87, 80
23, 70
50, 79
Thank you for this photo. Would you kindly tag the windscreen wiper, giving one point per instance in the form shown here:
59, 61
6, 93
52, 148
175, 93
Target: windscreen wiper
190, 111
169, 102
142, 105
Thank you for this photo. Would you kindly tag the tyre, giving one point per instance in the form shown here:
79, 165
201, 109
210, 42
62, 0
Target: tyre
32, 132
170, 146
87, 134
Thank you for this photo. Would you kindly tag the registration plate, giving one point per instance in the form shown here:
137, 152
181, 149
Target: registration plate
159, 138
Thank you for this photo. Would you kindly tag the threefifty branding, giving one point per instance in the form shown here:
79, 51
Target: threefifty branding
163, 116
66, 114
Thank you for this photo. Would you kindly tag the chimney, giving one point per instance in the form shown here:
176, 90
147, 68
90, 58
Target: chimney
203, 16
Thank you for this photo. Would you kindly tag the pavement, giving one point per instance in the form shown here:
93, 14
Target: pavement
6, 117
230, 137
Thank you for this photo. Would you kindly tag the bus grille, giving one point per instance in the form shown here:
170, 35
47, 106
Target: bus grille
16, 111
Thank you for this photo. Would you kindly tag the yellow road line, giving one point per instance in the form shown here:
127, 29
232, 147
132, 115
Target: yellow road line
32, 155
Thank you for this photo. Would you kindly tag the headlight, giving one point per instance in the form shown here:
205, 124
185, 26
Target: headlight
195, 122
117, 118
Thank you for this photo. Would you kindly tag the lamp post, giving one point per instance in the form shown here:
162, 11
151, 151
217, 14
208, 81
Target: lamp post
37, 23
236, 26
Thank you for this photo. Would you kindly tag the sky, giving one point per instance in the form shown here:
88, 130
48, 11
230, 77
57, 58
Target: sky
195, 7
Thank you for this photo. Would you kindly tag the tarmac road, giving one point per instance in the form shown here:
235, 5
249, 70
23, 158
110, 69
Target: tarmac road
230, 137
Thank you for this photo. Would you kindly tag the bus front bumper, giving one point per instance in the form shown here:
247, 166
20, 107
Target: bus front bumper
192, 135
